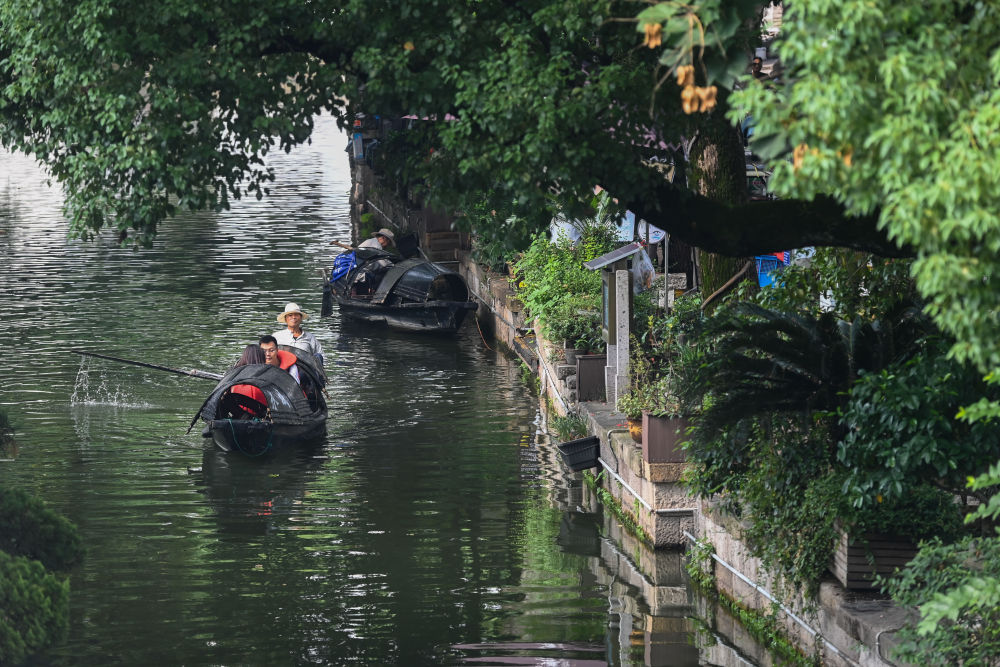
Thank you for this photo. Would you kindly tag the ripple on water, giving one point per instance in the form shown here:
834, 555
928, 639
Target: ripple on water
427, 529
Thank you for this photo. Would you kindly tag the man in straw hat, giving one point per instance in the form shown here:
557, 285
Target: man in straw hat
380, 240
294, 336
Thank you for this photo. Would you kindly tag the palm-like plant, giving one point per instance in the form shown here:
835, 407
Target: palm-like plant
767, 361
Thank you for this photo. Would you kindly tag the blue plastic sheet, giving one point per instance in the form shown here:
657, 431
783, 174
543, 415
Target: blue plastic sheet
342, 265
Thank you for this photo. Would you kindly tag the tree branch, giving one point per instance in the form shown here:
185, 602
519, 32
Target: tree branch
756, 227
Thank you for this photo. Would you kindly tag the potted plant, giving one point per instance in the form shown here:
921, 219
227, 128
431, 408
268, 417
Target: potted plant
631, 404
663, 423
574, 321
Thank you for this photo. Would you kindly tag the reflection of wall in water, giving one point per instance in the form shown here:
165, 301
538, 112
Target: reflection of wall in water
653, 600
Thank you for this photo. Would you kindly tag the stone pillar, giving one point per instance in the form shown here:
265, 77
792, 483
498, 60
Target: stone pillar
610, 372
623, 322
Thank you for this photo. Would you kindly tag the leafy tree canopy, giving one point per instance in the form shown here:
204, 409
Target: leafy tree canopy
143, 108
893, 110
881, 128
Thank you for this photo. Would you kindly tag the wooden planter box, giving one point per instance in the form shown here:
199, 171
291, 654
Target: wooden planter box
661, 438
857, 561
590, 377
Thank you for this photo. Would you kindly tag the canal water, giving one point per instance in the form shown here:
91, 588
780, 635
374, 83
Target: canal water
434, 526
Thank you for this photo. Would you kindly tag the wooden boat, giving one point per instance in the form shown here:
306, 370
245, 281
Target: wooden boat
293, 413
411, 294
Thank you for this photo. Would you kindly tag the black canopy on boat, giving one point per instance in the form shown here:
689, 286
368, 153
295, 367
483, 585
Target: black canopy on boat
286, 401
419, 280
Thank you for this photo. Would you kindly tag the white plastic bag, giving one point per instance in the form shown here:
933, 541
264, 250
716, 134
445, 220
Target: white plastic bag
642, 272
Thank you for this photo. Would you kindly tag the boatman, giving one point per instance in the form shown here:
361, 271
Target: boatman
380, 240
280, 358
293, 335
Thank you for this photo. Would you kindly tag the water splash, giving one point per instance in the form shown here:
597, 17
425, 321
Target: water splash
93, 386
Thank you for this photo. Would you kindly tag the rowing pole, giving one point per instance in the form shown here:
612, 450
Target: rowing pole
193, 373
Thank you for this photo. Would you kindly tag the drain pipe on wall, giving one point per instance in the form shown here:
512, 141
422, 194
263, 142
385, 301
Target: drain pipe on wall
770, 597
670, 511
547, 380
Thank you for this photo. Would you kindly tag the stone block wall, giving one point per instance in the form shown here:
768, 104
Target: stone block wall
847, 630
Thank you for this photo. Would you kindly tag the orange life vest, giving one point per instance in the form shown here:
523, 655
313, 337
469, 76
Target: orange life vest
249, 391
286, 359
253, 393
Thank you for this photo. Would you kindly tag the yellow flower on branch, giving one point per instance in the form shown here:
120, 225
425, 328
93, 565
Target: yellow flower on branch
685, 75
689, 99
654, 35
408, 45
707, 97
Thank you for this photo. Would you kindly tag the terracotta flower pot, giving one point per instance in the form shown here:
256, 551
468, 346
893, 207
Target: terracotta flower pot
635, 429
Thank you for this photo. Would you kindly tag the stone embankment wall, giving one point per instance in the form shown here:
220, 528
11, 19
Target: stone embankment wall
846, 629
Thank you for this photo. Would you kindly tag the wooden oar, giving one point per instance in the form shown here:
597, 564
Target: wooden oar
193, 372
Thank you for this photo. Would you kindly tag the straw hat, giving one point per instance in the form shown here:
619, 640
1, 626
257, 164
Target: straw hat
291, 308
386, 233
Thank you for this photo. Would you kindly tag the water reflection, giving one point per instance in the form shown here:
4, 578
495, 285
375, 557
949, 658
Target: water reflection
434, 526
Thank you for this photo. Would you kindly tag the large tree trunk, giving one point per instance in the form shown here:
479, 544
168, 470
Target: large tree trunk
717, 171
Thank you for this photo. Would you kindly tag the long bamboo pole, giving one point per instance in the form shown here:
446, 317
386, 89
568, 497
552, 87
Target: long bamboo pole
205, 375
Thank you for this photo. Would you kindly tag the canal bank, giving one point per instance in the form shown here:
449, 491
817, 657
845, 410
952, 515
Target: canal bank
646, 492
842, 627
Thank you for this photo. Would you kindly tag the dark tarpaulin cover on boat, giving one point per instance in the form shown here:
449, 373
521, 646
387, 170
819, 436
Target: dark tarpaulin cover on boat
420, 280
285, 400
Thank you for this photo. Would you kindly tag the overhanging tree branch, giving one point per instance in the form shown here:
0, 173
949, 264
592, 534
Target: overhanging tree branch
756, 227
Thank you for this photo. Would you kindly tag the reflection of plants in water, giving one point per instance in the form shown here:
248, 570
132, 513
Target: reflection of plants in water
627, 519
7, 444
530, 380
6, 428
762, 626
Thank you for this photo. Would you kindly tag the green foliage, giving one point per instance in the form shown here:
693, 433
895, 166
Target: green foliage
712, 36
653, 389
764, 627
33, 541
530, 379
571, 426
556, 288
766, 441
846, 283
631, 404
625, 517
699, 565
29, 528
901, 428
577, 320
767, 361
957, 588
988, 481
35, 606
491, 250
901, 132
142, 110
665, 363
367, 225
788, 495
